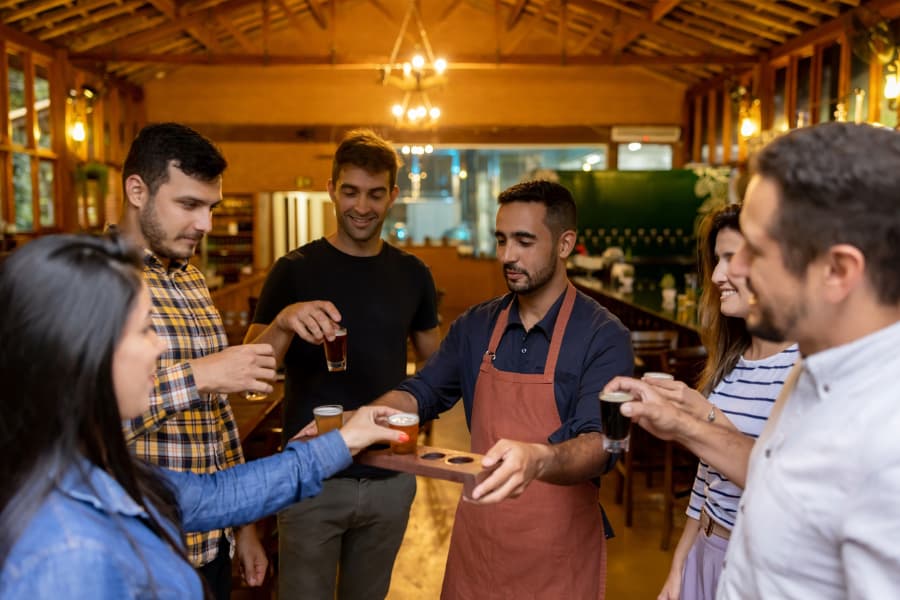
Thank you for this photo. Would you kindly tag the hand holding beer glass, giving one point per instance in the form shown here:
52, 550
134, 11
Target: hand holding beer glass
408, 423
616, 426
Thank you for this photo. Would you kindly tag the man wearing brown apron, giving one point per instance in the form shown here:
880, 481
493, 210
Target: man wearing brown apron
529, 367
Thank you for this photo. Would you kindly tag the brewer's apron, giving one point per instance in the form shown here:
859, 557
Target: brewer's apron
549, 542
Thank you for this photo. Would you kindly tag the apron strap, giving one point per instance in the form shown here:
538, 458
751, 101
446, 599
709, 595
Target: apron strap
499, 329
559, 330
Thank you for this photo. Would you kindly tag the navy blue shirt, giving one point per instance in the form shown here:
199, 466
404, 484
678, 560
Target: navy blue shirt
596, 347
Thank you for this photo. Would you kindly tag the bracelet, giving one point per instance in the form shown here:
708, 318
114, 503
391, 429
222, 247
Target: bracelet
712, 414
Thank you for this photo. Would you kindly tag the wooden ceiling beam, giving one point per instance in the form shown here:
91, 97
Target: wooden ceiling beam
832, 10
447, 12
292, 17
30, 9
775, 8
107, 30
752, 15
662, 8
381, 8
235, 32
96, 21
153, 31
460, 63
712, 37
314, 11
734, 25
512, 41
516, 13
587, 38
58, 16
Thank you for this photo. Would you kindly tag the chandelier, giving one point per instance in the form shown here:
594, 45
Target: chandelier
414, 77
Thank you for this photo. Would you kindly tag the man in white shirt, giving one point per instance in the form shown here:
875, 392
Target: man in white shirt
819, 517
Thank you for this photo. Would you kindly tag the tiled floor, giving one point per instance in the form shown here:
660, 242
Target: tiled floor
637, 567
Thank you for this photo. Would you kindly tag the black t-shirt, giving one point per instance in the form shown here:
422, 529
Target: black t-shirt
382, 299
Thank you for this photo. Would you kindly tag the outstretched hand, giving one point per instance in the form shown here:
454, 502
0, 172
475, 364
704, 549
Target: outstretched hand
365, 428
681, 395
650, 410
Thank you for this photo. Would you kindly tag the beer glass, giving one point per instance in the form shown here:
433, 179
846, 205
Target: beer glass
616, 426
408, 423
336, 351
255, 396
328, 417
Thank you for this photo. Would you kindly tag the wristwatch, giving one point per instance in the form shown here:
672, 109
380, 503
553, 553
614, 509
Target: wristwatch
711, 416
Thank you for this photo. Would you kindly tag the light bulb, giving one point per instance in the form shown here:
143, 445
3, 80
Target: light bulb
891, 86
397, 110
405, 149
429, 149
421, 112
440, 65
748, 127
407, 69
78, 131
411, 114
418, 61
434, 113
586, 167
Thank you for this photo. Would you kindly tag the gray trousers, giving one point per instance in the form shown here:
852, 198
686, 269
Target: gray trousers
348, 535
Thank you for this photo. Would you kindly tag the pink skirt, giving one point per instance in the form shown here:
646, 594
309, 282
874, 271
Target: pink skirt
703, 567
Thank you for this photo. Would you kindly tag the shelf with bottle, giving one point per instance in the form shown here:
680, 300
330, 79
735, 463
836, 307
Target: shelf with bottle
229, 246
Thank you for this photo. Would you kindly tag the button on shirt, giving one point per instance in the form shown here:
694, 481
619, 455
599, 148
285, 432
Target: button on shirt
820, 516
596, 347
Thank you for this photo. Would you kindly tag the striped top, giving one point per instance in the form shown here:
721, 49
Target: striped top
746, 396
185, 430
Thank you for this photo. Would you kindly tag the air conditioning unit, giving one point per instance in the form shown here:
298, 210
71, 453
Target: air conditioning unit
660, 134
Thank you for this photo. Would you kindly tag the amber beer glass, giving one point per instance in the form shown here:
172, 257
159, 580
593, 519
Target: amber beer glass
408, 423
328, 417
616, 426
336, 351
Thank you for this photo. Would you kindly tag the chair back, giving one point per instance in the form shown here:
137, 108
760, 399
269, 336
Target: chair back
649, 347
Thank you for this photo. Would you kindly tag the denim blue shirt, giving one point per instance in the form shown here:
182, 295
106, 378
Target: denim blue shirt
89, 538
596, 347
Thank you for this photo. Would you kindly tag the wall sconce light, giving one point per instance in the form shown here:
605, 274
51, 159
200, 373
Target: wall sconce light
81, 103
892, 85
749, 118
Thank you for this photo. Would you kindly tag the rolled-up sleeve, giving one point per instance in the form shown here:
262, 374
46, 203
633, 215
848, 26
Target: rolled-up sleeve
609, 354
437, 387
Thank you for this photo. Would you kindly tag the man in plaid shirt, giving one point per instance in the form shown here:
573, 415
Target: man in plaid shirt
172, 181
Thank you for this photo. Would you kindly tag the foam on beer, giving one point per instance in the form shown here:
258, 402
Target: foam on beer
616, 397
403, 419
327, 411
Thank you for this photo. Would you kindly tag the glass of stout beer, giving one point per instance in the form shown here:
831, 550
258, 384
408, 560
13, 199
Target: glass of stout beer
336, 351
616, 426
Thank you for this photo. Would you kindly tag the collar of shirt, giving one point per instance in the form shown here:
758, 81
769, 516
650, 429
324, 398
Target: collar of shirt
90, 484
851, 362
154, 262
545, 325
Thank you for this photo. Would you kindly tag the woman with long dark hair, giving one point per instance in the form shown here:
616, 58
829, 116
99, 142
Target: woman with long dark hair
742, 377
79, 517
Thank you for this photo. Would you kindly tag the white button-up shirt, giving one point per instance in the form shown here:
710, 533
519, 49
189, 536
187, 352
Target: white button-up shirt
820, 516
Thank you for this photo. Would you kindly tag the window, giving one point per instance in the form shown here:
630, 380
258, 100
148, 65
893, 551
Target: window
30, 198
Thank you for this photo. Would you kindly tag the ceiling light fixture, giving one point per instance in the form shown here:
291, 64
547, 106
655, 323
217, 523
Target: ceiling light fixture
415, 77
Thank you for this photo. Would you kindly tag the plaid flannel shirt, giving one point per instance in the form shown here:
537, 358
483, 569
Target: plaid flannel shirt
185, 430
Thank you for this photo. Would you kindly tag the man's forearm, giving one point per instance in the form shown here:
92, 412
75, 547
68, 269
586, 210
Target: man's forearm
574, 461
726, 450
272, 334
400, 400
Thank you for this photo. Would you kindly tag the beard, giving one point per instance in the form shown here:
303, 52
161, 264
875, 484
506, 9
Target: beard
531, 282
372, 231
156, 238
761, 321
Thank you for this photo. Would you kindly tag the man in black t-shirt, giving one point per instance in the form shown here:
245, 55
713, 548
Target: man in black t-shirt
382, 296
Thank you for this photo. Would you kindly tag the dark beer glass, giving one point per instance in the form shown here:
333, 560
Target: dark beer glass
616, 426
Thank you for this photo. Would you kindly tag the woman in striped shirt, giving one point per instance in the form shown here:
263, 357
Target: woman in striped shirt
742, 378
